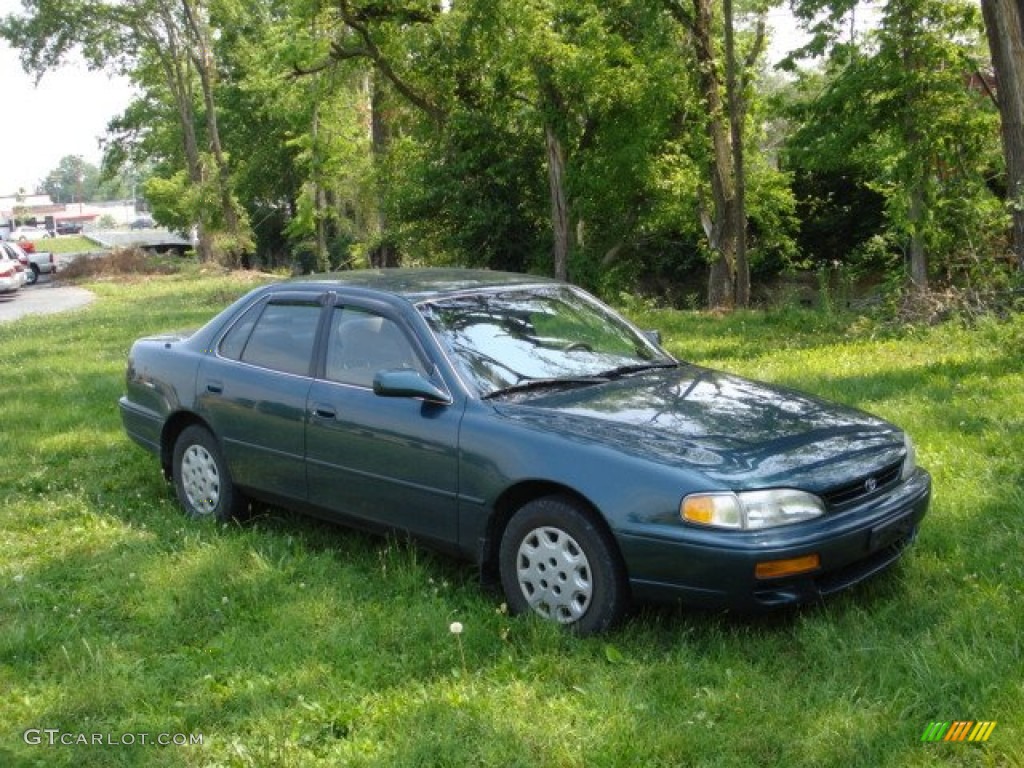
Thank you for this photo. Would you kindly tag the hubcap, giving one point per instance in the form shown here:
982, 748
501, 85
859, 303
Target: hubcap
554, 575
200, 479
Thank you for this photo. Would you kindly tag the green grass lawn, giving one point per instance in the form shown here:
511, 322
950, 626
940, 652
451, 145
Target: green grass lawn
68, 244
290, 642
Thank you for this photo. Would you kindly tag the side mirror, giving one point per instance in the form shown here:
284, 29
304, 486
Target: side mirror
408, 383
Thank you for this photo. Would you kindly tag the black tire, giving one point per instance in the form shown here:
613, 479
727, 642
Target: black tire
556, 563
201, 478
33, 275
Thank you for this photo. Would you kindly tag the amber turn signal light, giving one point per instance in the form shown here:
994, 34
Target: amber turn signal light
773, 569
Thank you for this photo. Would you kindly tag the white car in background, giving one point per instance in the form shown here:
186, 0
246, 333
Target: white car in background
29, 233
35, 262
13, 274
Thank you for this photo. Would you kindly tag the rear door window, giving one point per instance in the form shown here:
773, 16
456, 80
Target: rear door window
281, 337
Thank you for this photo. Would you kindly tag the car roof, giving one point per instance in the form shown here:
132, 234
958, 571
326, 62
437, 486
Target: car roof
417, 285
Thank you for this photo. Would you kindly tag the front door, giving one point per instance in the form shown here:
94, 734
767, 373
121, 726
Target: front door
392, 461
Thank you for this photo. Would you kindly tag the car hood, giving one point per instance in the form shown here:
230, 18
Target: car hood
742, 432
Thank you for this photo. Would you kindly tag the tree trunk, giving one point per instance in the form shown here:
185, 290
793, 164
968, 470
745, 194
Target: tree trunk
559, 204
736, 119
384, 254
916, 178
722, 235
1004, 24
918, 256
202, 56
174, 64
319, 195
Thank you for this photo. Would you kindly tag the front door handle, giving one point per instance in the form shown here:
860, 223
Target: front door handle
322, 411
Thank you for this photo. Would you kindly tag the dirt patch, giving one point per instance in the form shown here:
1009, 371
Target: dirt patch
118, 263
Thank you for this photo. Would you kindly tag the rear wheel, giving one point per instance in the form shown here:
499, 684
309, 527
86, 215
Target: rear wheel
201, 478
33, 275
555, 562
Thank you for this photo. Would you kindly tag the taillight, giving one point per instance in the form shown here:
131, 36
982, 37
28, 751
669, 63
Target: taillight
8, 271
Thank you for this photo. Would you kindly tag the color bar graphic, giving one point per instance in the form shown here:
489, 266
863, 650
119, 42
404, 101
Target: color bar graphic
959, 730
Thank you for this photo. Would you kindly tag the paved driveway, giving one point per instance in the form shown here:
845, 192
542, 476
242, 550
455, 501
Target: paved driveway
43, 298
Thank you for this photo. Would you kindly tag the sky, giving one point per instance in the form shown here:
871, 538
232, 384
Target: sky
67, 112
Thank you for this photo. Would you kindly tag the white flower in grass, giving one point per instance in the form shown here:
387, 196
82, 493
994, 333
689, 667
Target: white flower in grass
455, 628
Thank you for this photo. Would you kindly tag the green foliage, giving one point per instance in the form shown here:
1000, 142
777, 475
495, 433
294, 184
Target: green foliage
898, 117
175, 201
426, 127
290, 642
73, 180
71, 244
466, 199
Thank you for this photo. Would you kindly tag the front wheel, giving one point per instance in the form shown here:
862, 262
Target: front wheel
33, 275
555, 562
201, 478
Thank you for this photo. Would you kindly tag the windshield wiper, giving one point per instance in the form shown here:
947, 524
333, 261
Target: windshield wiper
625, 370
553, 383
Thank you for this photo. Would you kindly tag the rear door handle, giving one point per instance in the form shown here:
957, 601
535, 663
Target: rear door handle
214, 386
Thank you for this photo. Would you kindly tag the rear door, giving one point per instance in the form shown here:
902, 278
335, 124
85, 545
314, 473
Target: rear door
253, 391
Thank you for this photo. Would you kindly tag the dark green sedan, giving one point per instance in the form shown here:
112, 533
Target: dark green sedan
522, 424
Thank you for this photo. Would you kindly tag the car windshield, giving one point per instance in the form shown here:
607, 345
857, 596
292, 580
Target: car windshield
524, 338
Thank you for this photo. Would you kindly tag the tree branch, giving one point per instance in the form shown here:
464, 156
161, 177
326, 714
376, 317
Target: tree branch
356, 22
758, 47
680, 14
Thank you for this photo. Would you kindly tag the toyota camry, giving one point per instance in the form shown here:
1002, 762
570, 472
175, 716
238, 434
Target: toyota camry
520, 423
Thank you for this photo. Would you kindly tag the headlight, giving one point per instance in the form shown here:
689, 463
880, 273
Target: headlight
910, 460
751, 510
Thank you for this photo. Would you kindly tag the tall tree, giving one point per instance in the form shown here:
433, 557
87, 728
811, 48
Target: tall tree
1004, 24
725, 221
73, 180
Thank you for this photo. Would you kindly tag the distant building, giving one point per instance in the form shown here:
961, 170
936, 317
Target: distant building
36, 210
28, 202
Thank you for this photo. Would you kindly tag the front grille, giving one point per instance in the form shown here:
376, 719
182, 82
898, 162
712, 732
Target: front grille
864, 486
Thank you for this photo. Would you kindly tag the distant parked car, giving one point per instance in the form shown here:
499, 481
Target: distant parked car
68, 228
13, 274
30, 233
143, 222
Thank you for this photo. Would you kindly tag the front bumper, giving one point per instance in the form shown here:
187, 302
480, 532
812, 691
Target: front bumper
716, 568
